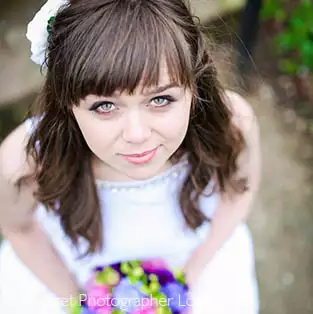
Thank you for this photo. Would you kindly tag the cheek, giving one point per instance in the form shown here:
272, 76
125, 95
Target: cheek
91, 135
174, 126
95, 132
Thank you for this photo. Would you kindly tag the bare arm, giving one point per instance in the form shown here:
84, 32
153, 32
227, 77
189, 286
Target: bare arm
17, 222
232, 211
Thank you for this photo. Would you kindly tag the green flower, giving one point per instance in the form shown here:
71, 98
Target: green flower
108, 277
49, 26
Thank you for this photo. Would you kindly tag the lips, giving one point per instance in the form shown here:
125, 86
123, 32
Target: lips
141, 158
141, 154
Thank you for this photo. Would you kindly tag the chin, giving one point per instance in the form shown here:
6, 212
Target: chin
145, 172
142, 174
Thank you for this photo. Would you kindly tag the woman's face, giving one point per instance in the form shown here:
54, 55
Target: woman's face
133, 136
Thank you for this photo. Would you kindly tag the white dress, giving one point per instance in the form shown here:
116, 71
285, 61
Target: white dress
142, 220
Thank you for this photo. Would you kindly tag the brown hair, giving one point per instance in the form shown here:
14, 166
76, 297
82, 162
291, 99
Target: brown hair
98, 47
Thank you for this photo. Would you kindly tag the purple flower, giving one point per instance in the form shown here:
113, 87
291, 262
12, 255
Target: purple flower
117, 267
164, 276
126, 296
159, 268
177, 296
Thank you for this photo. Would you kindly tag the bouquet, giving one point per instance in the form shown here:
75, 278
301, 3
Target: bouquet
134, 287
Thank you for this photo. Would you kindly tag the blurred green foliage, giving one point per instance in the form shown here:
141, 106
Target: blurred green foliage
294, 40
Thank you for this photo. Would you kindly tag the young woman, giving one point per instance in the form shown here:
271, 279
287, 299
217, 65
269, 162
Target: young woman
134, 150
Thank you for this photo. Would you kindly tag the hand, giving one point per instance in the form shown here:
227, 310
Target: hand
195, 265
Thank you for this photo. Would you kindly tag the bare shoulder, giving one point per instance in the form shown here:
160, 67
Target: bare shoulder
13, 159
249, 161
243, 114
16, 203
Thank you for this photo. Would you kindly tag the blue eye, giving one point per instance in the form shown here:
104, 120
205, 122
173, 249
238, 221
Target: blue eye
162, 101
106, 107
103, 107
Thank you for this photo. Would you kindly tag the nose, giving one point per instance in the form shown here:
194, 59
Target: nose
136, 128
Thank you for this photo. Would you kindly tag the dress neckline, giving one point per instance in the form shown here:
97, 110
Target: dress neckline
170, 174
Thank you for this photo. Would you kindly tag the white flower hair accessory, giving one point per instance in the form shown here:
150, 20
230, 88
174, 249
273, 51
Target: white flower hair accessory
38, 29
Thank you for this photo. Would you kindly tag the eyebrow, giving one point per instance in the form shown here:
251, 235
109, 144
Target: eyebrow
161, 89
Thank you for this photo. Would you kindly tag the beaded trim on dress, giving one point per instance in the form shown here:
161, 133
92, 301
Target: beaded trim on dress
172, 173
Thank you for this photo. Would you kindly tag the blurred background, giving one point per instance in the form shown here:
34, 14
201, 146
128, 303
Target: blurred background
268, 46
